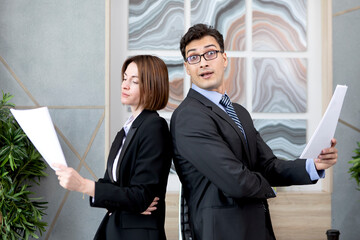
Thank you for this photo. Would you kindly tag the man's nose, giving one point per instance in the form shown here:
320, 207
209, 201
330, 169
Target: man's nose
203, 62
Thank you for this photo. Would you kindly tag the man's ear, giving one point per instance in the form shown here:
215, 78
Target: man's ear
225, 59
186, 67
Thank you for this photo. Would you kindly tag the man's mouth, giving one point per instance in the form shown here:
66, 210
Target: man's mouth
206, 74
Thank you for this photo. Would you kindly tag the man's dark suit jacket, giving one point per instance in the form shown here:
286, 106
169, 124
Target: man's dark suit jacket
142, 173
226, 183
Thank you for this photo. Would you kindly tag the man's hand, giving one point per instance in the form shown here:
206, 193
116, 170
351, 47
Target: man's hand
327, 157
152, 207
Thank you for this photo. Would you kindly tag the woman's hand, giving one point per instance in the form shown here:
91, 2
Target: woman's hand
71, 180
152, 207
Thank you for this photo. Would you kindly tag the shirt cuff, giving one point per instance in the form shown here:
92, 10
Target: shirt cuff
313, 173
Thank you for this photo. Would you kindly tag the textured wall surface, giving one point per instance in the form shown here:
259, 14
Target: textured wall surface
283, 135
346, 59
176, 77
226, 16
155, 24
279, 25
53, 54
279, 85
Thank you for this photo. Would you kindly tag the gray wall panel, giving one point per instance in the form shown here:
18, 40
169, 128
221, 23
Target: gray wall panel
56, 50
345, 197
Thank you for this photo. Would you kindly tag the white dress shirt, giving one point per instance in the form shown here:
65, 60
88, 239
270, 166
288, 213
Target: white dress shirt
126, 127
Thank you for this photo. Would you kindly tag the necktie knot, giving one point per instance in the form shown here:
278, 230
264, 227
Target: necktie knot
225, 100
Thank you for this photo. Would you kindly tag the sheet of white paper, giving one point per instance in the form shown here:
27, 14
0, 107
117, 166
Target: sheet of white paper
39, 128
326, 129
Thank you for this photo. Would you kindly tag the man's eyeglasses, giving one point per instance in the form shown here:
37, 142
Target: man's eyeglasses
210, 55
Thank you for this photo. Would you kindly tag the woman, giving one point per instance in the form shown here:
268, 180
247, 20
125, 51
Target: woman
133, 188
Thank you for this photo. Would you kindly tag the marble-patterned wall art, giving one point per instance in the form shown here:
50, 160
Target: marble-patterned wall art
279, 25
155, 24
235, 80
287, 138
228, 17
279, 85
176, 77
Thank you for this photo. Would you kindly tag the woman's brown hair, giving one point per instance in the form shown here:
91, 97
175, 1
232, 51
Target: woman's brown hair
153, 81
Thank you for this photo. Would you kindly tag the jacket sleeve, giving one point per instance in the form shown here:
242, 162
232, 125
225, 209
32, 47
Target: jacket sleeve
277, 172
149, 173
280, 172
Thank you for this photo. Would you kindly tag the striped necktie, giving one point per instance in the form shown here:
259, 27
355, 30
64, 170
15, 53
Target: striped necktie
225, 101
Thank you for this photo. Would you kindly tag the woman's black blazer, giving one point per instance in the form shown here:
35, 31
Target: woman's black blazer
142, 173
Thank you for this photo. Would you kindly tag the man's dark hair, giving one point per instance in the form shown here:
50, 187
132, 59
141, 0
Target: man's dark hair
199, 31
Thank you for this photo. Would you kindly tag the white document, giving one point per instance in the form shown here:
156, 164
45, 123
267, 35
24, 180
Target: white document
39, 128
326, 129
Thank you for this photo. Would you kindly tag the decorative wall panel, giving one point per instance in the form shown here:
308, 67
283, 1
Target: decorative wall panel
176, 77
279, 85
235, 80
287, 138
155, 24
279, 25
226, 16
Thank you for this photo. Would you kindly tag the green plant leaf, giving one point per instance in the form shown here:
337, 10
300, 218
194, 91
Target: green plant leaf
354, 170
20, 164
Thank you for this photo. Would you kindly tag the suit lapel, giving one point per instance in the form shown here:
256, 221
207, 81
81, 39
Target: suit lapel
128, 139
216, 109
130, 136
113, 152
227, 118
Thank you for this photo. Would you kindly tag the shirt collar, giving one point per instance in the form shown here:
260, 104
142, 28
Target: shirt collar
128, 124
213, 96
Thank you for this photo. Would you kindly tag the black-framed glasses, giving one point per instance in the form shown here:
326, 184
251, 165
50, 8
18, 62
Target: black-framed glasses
210, 55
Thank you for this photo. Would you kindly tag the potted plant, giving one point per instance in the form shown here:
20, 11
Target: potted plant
20, 166
355, 168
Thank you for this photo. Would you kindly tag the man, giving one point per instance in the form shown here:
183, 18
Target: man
225, 167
